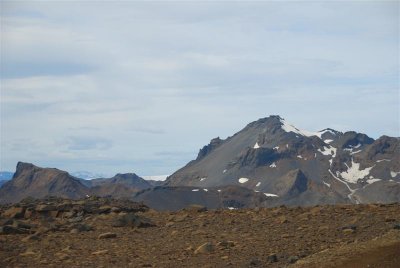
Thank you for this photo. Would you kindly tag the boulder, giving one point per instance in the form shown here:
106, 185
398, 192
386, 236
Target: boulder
32, 237
107, 235
45, 208
272, 258
100, 252
13, 230
81, 227
132, 220
225, 244
205, 248
14, 212
293, 259
196, 208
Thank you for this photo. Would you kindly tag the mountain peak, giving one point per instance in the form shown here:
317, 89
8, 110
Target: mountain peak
24, 165
126, 175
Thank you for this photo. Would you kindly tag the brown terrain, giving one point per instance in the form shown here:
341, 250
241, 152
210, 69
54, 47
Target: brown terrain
100, 232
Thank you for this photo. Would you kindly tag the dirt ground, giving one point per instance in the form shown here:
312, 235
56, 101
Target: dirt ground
322, 236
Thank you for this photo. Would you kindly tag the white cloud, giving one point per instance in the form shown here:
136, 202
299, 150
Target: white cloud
151, 76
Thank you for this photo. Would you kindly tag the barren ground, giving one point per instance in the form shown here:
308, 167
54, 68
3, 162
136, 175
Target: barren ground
322, 236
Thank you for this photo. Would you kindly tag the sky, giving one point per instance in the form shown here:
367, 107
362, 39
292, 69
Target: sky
124, 86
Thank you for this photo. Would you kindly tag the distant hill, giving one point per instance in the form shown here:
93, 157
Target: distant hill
30, 180
6, 175
86, 175
121, 185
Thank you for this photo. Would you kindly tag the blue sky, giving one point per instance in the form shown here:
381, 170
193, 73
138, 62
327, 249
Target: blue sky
141, 86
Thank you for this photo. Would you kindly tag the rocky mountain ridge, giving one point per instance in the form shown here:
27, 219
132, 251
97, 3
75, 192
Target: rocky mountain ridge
32, 181
299, 167
268, 163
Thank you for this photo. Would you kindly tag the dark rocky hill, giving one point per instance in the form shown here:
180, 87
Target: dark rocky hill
176, 198
299, 167
32, 181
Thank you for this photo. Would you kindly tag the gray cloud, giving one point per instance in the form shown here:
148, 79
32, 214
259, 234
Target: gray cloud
156, 131
29, 69
88, 143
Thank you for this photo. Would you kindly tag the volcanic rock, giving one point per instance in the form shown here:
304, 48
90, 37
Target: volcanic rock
296, 167
107, 235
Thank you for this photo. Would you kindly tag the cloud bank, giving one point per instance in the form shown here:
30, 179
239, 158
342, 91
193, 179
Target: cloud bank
141, 86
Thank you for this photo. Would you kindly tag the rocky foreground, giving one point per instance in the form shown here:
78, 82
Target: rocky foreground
100, 232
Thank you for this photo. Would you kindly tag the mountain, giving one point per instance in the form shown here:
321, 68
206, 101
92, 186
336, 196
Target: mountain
86, 175
156, 180
5, 176
268, 163
121, 185
33, 181
30, 180
298, 167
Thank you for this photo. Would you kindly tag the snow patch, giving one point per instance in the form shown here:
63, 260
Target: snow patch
327, 184
243, 180
271, 195
394, 174
273, 165
156, 177
372, 180
328, 141
256, 146
290, 128
195, 190
276, 148
231, 208
351, 147
202, 179
328, 151
354, 173
299, 156
322, 132
205, 190
378, 161
350, 196
356, 152
219, 190
224, 171
258, 184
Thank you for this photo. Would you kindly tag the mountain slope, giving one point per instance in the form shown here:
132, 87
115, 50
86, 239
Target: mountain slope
176, 198
301, 167
30, 180
121, 185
